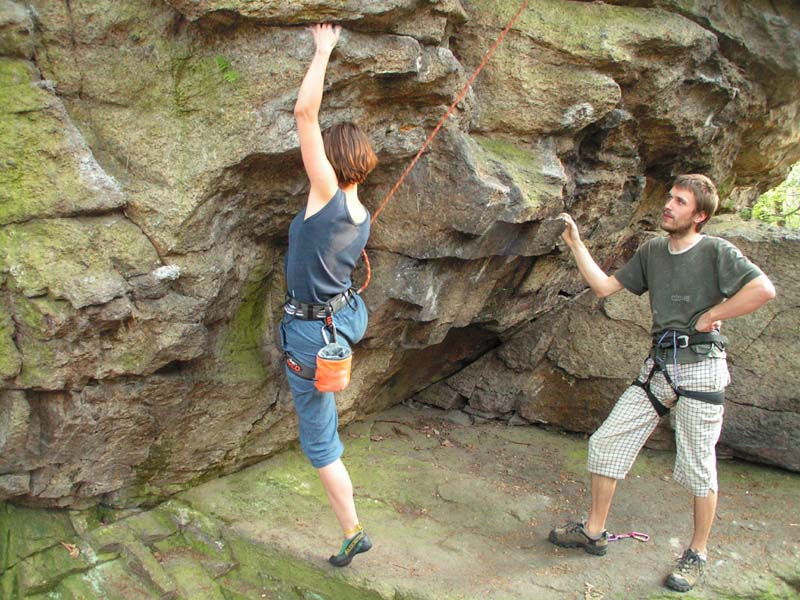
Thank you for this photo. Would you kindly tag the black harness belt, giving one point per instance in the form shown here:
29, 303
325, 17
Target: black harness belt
675, 342
300, 369
684, 341
314, 312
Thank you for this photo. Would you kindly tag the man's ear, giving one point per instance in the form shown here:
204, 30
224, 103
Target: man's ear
700, 217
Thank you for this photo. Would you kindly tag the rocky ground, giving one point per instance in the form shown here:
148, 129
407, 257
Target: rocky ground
456, 509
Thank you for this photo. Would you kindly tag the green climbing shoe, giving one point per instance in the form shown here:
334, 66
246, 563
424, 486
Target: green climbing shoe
359, 543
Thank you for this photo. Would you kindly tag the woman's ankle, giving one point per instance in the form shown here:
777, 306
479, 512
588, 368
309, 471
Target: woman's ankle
349, 534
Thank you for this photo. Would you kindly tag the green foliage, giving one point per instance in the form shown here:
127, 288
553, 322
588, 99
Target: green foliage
224, 66
780, 205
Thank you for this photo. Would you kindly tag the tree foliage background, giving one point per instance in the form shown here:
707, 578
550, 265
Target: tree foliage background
780, 205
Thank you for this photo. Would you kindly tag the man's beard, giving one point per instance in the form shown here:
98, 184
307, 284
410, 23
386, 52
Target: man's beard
677, 229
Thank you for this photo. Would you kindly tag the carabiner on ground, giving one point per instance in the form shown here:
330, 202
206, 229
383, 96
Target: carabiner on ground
636, 535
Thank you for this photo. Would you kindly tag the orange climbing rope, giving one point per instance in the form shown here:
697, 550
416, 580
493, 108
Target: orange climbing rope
439, 125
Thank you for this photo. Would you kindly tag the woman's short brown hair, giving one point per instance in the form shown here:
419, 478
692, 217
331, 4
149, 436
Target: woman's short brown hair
705, 194
349, 152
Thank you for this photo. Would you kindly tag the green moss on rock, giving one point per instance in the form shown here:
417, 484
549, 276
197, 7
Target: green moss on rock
42, 571
27, 531
157, 462
39, 171
201, 82
32, 558
37, 320
109, 581
239, 349
191, 579
10, 359
41, 256
525, 167
266, 569
595, 31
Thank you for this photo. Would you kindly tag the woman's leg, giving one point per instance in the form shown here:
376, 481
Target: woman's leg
318, 424
336, 481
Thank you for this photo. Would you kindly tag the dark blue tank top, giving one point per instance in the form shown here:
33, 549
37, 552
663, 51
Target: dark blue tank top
323, 251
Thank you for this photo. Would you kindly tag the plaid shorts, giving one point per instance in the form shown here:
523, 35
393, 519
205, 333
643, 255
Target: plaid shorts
615, 445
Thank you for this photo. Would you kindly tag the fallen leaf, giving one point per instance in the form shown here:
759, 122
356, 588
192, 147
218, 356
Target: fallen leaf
72, 549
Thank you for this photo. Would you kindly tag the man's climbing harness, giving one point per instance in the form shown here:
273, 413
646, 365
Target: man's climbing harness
677, 341
435, 131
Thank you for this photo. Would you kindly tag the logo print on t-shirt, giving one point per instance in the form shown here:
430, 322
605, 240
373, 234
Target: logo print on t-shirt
679, 298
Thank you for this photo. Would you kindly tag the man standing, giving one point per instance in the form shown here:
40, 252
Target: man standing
695, 282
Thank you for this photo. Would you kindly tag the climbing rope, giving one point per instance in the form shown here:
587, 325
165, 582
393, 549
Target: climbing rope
433, 134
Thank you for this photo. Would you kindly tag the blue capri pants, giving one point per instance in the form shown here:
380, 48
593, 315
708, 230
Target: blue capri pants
316, 411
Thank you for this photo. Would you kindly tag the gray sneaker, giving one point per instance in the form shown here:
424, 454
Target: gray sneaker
688, 572
573, 535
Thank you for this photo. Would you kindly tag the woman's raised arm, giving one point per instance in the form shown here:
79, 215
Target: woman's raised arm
306, 112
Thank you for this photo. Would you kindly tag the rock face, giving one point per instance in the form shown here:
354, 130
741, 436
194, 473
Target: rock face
149, 169
569, 366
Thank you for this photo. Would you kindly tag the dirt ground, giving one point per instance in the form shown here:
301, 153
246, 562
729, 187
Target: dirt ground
456, 510
460, 510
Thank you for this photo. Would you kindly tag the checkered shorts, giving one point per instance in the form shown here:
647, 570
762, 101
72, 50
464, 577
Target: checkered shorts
615, 445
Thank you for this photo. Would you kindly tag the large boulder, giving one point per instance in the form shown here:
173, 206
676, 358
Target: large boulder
149, 169
568, 367
762, 413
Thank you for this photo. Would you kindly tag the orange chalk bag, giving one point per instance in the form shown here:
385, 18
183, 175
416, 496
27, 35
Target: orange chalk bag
334, 362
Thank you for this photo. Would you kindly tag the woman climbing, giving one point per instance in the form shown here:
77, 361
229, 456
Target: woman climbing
325, 241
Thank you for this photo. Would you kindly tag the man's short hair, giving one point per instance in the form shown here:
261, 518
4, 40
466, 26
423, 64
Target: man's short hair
705, 194
349, 152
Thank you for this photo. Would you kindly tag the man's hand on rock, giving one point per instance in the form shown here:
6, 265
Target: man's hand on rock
570, 235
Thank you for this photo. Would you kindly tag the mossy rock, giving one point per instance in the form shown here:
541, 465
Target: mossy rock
46, 169
267, 569
239, 349
540, 183
597, 32
32, 555
27, 531
16, 30
10, 358
41, 257
36, 319
108, 580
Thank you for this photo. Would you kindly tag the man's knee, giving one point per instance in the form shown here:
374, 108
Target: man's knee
594, 443
700, 479
601, 444
602, 458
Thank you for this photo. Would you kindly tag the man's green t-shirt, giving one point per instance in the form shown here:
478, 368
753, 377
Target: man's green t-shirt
683, 286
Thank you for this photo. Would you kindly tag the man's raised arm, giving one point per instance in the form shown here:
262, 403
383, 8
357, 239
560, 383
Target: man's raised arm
602, 285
